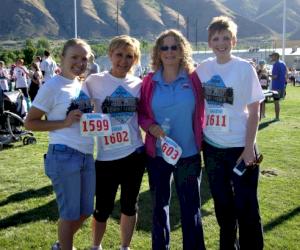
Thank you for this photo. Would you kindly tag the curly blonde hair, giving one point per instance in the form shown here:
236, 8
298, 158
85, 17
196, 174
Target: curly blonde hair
185, 47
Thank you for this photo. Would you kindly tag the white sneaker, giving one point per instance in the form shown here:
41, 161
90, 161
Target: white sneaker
124, 248
97, 248
55, 246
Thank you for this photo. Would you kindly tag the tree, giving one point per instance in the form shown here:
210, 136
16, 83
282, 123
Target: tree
43, 43
29, 53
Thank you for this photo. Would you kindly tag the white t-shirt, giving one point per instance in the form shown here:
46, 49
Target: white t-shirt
55, 98
118, 98
228, 89
48, 65
4, 75
20, 74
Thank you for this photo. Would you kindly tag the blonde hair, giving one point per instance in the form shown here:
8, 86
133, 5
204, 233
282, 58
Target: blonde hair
126, 41
76, 41
185, 47
221, 23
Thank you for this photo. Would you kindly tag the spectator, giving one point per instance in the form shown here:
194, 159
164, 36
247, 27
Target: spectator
48, 66
4, 77
93, 67
279, 74
21, 76
36, 80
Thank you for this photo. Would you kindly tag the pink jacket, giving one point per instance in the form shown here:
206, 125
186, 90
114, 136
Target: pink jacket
146, 116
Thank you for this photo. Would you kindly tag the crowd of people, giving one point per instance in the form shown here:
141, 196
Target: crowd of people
213, 108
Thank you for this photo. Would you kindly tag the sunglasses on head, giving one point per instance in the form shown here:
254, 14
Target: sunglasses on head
166, 48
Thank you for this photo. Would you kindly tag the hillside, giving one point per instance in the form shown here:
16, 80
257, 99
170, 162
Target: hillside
140, 18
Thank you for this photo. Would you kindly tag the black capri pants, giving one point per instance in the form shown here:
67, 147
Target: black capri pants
128, 173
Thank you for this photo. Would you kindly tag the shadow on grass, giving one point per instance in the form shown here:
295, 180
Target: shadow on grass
44, 212
263, 125
281, 219
30, 193
144, 222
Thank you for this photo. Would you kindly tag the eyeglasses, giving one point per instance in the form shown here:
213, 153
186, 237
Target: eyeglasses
166, 48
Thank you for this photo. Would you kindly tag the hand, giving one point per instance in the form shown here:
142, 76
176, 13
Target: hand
156, 131
72, 117
248, 155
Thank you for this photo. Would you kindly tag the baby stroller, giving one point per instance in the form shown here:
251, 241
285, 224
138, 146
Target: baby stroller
12, 112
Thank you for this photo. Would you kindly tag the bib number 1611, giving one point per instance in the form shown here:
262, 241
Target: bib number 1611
95, 124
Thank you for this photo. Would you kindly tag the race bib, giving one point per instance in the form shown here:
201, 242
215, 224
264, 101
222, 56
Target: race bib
217, 119
119, 138
171, 151
95, 124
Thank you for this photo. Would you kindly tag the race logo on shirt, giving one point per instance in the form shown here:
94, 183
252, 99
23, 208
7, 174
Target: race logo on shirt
82, 102
121, 105
216, 93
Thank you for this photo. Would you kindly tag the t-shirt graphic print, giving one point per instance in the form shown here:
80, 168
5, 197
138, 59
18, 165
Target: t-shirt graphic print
121, 105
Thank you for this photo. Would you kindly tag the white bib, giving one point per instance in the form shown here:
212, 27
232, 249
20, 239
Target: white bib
120, 137
217, 119
95, 124
171, 151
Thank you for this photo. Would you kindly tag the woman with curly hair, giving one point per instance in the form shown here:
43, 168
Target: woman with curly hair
172, 94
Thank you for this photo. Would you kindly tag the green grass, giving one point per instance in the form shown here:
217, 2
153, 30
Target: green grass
28, 211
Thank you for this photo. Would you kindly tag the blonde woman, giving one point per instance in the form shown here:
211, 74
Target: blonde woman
120, 157
69, 161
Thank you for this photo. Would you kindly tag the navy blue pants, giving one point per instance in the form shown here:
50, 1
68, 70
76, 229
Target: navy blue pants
187, 177
235, 199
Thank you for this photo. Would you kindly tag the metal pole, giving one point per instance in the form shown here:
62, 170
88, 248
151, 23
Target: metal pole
196, 34
283, 29
117, 17
75, 18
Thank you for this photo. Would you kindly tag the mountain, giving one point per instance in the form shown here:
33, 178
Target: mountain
142, 18
269, 13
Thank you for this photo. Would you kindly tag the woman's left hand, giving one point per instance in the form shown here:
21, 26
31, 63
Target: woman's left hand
248, 155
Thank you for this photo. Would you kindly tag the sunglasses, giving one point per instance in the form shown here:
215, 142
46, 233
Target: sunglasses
166, 48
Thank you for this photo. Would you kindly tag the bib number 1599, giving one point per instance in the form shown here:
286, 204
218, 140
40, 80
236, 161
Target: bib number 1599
95, 124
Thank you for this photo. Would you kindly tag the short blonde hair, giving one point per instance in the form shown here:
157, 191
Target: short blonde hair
126, 41
221, 23
185, 47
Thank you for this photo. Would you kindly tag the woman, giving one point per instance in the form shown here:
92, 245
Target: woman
4, 76
69, 161
36, 80
21, 75
120, 157
173, 93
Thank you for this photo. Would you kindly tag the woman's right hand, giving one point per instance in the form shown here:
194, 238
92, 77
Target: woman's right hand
156, 131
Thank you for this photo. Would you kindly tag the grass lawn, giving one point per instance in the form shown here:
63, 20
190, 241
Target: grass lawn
28, 211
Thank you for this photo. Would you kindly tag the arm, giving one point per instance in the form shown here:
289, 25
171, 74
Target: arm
248, 155
145, 120
35, 122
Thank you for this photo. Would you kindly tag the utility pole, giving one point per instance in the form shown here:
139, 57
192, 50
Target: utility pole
117, 17
177, 20
75, 19
196, 34
283, 29
187, 28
